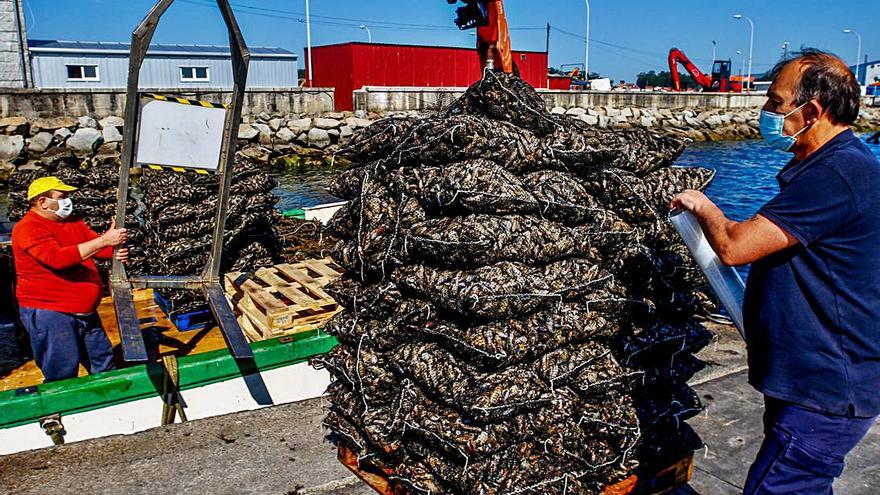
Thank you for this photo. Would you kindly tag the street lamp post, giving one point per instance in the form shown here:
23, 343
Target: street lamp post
751, 45
742, 65
369, 34
587, 45
858, 51
309, 43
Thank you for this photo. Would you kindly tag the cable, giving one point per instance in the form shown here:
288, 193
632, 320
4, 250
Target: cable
594, 40
633, 54
290, 14
342, 21
654, 55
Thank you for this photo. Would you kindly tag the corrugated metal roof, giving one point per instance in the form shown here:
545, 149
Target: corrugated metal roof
115, 47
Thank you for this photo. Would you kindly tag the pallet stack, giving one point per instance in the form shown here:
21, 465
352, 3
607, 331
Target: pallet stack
283, 299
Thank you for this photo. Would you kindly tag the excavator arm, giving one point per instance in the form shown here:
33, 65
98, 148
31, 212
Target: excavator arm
677, 56
493, 35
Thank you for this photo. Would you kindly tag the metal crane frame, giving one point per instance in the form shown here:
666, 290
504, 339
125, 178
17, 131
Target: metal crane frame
121, 285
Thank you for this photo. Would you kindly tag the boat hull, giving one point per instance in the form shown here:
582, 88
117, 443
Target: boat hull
130, 400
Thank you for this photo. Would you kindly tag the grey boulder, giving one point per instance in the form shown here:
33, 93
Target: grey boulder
11, 146
319, 138
85, 140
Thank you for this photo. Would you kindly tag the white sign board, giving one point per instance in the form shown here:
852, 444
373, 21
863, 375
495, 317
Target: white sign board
178, 135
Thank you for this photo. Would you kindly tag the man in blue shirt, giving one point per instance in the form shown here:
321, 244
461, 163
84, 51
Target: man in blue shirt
812, 308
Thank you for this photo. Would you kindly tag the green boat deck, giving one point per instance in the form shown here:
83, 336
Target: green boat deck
201, 355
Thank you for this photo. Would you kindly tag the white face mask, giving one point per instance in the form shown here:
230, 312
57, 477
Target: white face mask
65, 207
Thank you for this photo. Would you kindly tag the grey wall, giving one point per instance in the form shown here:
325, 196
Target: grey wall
12, 74
50, 71
617, 99
395, 99
99, 103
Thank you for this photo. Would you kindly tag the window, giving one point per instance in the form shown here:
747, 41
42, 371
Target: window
194, 74
82, 73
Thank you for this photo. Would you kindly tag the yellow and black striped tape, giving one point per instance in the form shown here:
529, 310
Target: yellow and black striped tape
178, 169
184, 101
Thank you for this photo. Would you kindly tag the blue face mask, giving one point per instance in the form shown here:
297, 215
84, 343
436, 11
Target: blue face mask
771, 124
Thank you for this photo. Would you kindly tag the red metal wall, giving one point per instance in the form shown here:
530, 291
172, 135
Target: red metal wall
351, 66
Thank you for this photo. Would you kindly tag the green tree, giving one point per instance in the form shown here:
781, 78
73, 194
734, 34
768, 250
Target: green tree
663, 79
561, 72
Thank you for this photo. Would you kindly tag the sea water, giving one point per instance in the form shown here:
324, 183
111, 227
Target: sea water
745, 176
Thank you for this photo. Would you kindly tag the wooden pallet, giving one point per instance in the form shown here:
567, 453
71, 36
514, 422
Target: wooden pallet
283, 299
655, 483
658, 483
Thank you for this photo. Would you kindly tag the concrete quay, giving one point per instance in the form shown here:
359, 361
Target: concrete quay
282, 450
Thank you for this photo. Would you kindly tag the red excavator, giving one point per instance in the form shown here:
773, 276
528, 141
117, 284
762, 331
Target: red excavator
719, 81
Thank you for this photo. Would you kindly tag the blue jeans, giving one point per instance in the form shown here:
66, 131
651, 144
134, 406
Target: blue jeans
803, 450
62, 341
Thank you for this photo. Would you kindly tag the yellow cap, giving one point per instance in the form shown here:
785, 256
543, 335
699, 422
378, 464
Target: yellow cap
46, 184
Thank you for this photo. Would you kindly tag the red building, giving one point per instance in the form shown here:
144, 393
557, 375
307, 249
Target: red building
351, 66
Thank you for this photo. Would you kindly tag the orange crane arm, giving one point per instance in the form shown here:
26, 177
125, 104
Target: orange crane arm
677, 56
495, 36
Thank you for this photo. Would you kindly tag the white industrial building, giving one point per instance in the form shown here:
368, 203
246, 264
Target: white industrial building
87, 64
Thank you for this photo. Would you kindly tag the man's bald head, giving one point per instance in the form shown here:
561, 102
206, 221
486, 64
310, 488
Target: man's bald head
826, 78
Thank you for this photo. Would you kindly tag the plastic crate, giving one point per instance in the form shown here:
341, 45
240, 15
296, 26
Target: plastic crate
194, 320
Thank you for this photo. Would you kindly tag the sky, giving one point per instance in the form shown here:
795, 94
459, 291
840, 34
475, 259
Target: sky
626, 37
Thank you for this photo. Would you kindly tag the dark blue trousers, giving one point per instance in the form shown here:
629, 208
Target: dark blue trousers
62, 341
803, 450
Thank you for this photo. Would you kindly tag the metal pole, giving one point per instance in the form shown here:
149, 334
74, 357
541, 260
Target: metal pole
858, 51
751, 45
369, 34
309, 42
547, 44
240, 60
742, 66
132, 340
713, 51
858, 55
547, 50
751, 48
211, 286
587, 45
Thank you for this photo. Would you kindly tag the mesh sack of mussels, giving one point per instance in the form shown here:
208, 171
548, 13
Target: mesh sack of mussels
94, 200
179, 224
518, 312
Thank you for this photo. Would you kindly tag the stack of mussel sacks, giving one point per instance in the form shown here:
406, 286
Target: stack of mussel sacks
94, 201
518, 310
179, 225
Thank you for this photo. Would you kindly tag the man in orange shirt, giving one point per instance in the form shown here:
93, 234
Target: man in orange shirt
58, 285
